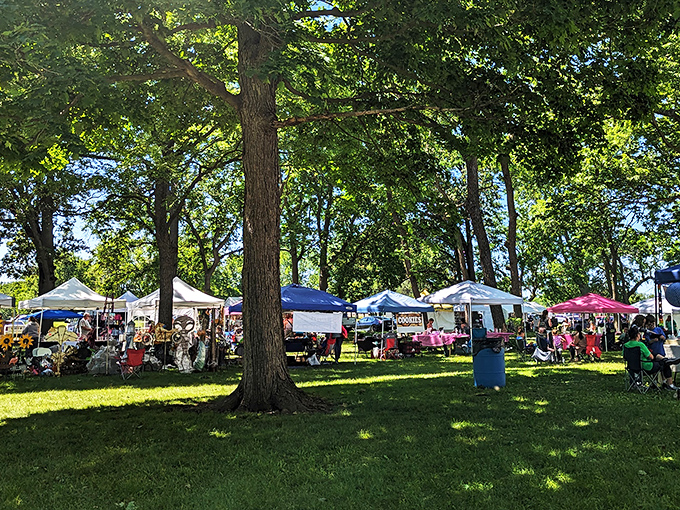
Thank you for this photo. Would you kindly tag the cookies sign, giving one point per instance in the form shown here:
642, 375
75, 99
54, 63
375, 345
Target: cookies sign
410, 322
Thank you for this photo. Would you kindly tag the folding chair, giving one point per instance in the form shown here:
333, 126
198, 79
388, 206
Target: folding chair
636, 377
390, 349
328, 350
132, 364
592, 347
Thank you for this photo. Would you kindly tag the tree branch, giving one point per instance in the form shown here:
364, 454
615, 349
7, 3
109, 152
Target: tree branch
334, 12
294, 121
209, 83
165, 74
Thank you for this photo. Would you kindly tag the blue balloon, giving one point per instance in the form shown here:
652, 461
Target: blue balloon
673, 294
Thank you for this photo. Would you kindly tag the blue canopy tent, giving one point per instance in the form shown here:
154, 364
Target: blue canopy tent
296, 298
661, 277
56, 315
392, 302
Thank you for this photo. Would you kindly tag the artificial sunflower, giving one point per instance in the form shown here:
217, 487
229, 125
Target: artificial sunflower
25, 341
6, 342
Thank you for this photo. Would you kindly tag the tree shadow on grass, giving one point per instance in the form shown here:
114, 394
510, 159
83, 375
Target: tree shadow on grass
553, 438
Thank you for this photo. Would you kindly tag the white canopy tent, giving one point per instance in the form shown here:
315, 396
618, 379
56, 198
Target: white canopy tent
185, 299
470, 293
128, 297
71, 295
646, 306
527, 307
6, 301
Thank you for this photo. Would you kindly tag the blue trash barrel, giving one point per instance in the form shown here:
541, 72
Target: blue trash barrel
488, 368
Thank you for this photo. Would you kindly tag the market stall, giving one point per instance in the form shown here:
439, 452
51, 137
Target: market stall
592, 303
468, 294
186, 300
392, 302
313, 311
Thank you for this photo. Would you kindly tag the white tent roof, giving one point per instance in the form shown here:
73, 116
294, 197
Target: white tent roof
469, 292
647, 306
128, 297
6, 301
527, 307
183, 296
71, 295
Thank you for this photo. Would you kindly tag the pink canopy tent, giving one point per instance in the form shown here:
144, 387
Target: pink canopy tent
592, 303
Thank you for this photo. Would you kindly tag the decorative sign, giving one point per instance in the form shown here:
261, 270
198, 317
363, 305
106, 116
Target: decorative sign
410, 323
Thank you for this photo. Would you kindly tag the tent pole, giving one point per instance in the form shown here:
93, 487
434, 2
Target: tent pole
356, 337
382, 340
39, 328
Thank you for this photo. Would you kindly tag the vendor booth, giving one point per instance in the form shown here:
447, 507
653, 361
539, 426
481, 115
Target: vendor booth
468, 294
185, 301
406, 310
648, 306
313, 311
71, 295
593, 303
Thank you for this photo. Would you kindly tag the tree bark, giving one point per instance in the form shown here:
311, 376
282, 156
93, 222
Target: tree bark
470, 257
266, 384
403, 240
167, 241
477, 219
323, 228
511, 243
462, 254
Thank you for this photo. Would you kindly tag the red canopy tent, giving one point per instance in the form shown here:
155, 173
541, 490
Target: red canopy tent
592, 303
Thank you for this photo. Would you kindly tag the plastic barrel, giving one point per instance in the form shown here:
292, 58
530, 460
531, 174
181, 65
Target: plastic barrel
488, 368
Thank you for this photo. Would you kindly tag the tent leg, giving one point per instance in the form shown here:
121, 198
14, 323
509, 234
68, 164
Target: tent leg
356, 338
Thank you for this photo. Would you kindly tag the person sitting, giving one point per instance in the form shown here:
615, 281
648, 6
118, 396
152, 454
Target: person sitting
655, 337
430, 326
578, 344
652, 364
623, 338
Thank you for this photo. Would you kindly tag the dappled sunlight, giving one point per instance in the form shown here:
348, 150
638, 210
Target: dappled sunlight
476, 486
364, 434
584, 423
17, 405
462, 425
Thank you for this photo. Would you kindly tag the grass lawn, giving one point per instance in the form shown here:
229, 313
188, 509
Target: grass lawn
409, 434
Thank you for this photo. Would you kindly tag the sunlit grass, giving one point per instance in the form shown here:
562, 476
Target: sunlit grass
403, 434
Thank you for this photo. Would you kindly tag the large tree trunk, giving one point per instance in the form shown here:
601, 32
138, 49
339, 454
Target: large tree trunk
511, 243
477, 219
462, 254
167, 241
294, 259
403, 241
323, 231
266, 384
469, 252
39, 227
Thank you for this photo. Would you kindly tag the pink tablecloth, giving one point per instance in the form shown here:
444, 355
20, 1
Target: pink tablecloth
438, 340
498, 334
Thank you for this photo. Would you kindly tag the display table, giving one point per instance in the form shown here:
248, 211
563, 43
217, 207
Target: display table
438, 340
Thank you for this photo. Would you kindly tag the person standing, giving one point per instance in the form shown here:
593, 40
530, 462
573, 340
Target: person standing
84, 328
32, 329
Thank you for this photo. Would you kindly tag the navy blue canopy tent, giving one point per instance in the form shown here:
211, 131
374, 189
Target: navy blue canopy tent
390, 301
297, 298
668, 275
56, 315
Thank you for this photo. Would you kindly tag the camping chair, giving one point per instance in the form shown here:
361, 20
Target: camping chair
366, 344
636, 377
390, 349
132, 364
592, 348
327, 350
542, 352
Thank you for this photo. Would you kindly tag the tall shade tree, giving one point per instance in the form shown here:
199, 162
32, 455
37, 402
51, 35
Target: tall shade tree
386, 58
